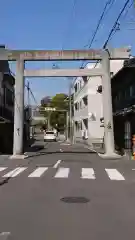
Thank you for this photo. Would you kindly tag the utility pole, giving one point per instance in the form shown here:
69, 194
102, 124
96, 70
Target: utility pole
28, 89
48, 121
70, 111
67, 125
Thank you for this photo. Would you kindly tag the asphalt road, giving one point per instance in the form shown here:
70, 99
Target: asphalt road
99, 195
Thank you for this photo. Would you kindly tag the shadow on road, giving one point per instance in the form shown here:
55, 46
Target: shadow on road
35, 148
6, 180
62, 152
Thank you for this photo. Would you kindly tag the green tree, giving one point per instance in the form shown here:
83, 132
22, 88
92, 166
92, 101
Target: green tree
58, 118
59, 102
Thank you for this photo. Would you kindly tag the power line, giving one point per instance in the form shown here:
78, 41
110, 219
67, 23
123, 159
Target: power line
114, 28
129, 7
99, 23
115, 24
126, 14
29, 89
109, 8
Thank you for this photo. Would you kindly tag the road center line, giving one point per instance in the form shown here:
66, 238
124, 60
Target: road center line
56, 164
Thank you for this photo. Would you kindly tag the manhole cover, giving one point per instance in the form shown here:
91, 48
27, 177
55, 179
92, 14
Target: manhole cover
75, 199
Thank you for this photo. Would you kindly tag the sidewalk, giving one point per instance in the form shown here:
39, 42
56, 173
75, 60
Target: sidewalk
97, 147
4, 159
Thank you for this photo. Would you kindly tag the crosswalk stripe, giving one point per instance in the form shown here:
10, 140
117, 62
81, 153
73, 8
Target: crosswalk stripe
15, 172
38, 172
2, 168
87, 173
114, 174
62, 173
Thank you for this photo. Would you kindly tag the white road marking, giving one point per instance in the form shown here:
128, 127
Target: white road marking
56, 164
114, 174
4, 235
88, 173
62, 173
38, 172
15, 172
133, 169
65, 144
2, 168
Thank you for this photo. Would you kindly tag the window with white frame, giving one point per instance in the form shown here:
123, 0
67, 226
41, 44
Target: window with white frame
85, 100
81, 104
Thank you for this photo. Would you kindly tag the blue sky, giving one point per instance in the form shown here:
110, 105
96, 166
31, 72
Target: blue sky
52, 24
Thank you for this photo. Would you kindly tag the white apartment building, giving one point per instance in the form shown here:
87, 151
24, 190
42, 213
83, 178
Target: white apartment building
88, 106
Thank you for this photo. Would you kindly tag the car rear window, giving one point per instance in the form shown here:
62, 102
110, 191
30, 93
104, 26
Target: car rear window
49, 132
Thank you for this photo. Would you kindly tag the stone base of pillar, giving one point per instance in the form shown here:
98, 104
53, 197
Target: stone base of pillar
110, 156
21, 156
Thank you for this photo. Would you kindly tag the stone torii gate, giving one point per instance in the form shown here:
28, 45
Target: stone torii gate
20, 56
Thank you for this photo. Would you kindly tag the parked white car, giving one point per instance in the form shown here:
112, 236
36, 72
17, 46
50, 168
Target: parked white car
49, 136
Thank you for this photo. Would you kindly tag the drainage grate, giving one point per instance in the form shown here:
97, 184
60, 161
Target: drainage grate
75, 199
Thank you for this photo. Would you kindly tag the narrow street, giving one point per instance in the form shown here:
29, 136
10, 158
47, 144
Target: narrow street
67, 192
67, 120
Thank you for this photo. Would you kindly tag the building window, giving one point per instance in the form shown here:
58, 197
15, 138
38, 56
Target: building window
80, 104
78, 86
75, 88
76, 106
78, 126
132, 90
119, 96
85, 121
127, 93
85, 100
111, 74
8, 97
85, 79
